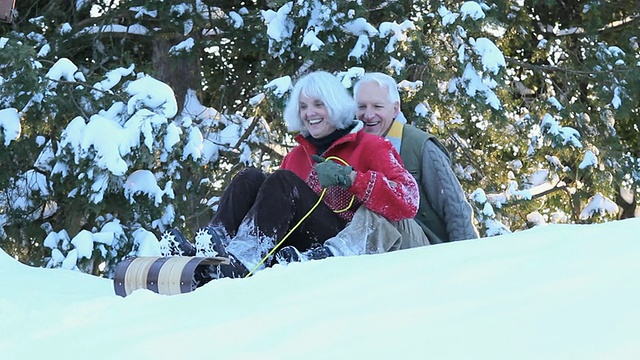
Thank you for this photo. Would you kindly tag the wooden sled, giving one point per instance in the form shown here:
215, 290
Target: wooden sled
162, 275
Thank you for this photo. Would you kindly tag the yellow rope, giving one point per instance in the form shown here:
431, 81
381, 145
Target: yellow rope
302, 219
289, 233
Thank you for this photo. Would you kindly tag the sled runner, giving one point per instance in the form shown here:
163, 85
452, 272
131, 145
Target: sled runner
162, 275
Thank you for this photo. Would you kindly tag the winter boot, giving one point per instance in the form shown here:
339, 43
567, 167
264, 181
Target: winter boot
205, 274
174, 243
289, 254
210, 242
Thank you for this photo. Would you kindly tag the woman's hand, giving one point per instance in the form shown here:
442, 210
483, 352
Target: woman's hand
331, 173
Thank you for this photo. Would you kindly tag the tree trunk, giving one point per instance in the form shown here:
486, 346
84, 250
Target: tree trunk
179, 72
626, 200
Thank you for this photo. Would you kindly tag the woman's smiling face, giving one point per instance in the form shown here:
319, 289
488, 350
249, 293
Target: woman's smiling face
315, 116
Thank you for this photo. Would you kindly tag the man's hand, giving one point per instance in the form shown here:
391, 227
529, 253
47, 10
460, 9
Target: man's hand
331, 173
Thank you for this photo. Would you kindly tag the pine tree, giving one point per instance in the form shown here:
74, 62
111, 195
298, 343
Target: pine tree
537, 102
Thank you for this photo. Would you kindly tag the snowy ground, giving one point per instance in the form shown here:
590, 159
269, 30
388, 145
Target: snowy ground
553, 292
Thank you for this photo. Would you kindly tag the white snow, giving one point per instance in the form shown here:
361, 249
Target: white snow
598, 204
280, 85
63, 68
115, 28
44, 50
616, 102
152, 94
83, 243
360, 26
471, 9
491, 57
396, 33
448, 17
590, 159
184, 46
10, 125
113, 77
552, 292
143, 182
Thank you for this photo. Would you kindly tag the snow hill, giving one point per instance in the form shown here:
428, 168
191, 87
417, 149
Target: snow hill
552, 292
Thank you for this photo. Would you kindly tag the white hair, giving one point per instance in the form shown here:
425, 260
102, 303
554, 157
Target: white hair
384, 81
328, 89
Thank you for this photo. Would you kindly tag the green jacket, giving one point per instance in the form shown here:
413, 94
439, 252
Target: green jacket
413, 142
443, 214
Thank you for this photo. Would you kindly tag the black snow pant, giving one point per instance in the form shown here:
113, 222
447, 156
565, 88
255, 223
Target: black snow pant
270, 206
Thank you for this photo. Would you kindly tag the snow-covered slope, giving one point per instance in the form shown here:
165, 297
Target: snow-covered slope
552, 292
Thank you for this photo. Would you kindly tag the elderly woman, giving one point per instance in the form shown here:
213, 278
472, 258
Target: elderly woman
335, 168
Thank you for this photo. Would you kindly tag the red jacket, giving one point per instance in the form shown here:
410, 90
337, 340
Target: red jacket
382, 183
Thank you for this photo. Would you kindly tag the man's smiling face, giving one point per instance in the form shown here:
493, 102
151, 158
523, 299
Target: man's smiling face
375, 109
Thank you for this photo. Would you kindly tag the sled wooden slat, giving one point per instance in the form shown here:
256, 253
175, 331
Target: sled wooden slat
162, 275
170, 276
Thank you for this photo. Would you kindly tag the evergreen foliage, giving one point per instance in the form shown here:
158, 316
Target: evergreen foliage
560, 88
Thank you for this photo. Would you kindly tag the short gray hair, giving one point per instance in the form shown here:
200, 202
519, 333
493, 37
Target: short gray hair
383, 80
326, 87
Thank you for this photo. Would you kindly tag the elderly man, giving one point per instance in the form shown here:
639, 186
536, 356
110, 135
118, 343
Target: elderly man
444, 214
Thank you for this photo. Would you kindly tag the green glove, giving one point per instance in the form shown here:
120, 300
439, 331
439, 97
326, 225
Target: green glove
331, 173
